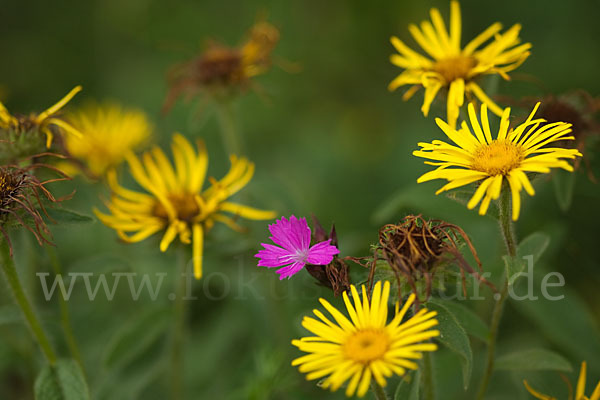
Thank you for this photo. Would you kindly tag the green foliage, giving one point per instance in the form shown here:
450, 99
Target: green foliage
408, 388
533, 246
568, 322
63, 216
135, 337
533, 360
454, 337
62, 381
564, 187
471, 322
10, 314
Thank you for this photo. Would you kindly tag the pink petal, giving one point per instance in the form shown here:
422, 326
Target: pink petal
322, 253
290, 270
292, 234
273, 256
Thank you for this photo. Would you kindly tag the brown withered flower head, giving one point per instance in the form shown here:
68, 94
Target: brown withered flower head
416, 249
335, 275
21, 200
577, 107
221, 70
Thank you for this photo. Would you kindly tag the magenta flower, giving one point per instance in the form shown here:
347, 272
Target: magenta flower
293, 235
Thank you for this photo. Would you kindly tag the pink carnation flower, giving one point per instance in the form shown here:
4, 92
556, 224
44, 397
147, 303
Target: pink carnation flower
293, 235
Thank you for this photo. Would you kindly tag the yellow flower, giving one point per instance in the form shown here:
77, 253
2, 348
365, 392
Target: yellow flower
110, 132
364, 346
43, 121
478, 157
579, 391
454, 68
175, 202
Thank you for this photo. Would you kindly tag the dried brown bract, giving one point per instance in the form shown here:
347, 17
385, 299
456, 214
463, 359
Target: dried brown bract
21, 199
221, 70
577, 107
416, 249
335, 275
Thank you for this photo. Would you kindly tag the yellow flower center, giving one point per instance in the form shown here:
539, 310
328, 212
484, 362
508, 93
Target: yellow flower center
365, 346
455, 67
497, 158
185, 206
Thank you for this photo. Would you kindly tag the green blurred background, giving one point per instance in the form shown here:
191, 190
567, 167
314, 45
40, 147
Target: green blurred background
329, 140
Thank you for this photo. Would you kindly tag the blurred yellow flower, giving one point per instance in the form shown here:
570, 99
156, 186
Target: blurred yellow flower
364, 346
478, 157
453, 68
579, 391
43, 122
109, 133
175, 202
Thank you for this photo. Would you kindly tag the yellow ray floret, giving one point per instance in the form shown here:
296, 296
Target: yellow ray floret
109, 133
43, 121
453, 68
364, 346
579, 390
474, 156
175, 203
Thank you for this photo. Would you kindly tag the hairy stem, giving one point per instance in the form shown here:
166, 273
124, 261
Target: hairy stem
227, 123
179, 326
65, 319
12, 278
506, 227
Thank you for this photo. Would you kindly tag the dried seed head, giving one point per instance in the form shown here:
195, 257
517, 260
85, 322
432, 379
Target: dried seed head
416, 249
21, 205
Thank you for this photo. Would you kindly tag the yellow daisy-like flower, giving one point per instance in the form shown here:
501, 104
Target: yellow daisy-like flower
454, 68
43, 121
110, 132
479, 157
365, 345
579, 391
175, 202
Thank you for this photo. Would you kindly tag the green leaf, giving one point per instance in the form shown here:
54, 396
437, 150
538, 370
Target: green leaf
564, 185
63, 381
534, 246
135, 337
568, 322
64, 216
533, 360
470, 321
454, 337
408, 388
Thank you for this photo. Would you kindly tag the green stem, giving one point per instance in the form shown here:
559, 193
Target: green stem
227, 123
506, 227
378, 391
65, 319
10, 273
428, 386
179, 325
